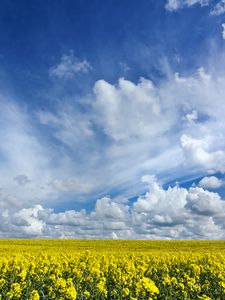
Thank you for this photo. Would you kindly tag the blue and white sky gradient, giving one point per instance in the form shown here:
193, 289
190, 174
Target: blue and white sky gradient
112, 119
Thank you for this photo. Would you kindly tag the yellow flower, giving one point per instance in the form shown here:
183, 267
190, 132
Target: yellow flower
204, 297
34, 295
2, 282
22, 274
126, 291
101, 286
148, 285
87, 294
15, 291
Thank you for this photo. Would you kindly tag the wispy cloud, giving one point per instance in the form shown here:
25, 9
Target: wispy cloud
69, 66
173, 5
218, 9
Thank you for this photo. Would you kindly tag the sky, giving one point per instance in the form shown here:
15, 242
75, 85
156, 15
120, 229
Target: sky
112, 119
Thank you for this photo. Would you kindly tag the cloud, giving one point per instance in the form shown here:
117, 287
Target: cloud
174, 213
106, 141
105, 208
7, 201
173, 5
195, 151
126, 129
158, 198
34, 170
68, 125
218, 9
203, 202
22, 156
191, 117
71, 185
82, 148
27, 221
124, 67
69, 66
142, 117
211, 182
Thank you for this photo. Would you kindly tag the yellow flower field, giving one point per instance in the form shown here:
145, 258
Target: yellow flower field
50, 269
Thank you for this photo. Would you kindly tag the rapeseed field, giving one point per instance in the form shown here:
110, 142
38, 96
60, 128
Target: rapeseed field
135, 270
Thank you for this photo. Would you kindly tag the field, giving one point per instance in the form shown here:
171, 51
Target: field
58, 269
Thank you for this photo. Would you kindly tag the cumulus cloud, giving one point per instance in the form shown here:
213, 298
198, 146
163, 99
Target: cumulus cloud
174, 213
69, 66
203, 202
211, 182
218, 9
195, 151
173, 5
28, 222
158, 199
105, 208
142, 117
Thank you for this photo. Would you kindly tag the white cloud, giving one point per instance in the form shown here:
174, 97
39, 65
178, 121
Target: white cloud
69, 66
179, 213
105, 208
211, 182
203, 202
191, 117
68, 125
22, 156
129, 110
28, 222
173, 5
196, 151
175, 213
72, 185
130, 128
33, 169
218, 9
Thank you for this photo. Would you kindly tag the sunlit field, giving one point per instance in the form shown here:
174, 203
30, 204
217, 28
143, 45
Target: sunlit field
50, 269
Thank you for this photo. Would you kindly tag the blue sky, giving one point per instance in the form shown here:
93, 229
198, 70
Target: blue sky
112, 119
